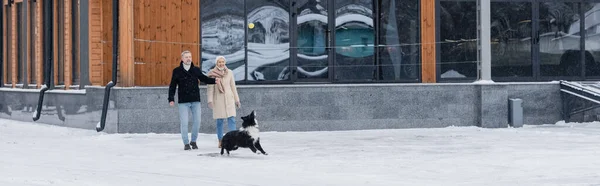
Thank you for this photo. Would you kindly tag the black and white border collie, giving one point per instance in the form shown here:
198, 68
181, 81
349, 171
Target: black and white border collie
246, 137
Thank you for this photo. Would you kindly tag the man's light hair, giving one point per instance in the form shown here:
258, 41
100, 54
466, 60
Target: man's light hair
185, 52
220, 57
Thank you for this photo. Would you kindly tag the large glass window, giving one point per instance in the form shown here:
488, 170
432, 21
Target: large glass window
458, 39
354, 41
399, 39
511, 39
312, 22
223, 34
559, 40
268, 40
592, 38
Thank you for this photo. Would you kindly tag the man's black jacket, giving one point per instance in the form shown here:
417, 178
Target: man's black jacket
187, 81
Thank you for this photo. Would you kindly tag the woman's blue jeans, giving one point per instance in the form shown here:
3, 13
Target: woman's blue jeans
230, 125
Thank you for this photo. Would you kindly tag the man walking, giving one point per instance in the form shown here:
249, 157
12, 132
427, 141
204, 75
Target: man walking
185, 79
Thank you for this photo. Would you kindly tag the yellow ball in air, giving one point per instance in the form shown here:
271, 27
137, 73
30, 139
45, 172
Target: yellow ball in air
251, 25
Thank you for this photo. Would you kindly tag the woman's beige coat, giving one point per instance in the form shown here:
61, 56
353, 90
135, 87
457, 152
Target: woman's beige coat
224, 103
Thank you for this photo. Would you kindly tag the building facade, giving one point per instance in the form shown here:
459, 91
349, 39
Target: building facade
300, 41
394, 63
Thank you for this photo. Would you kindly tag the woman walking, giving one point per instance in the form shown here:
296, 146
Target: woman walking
223, 97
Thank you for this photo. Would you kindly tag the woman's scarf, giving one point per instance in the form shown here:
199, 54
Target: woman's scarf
216, 73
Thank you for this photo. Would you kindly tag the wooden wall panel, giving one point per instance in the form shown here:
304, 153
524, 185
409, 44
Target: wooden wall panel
38, 30
96, 66
191, 22
428, 58
55, 39
161, 46
107, 40
139, 11
68, 44
126, 63
163, 29
4, 43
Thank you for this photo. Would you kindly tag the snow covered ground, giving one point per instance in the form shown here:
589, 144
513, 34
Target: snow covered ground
561, 154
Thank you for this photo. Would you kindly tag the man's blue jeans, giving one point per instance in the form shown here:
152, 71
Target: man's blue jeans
230, 125
184, 109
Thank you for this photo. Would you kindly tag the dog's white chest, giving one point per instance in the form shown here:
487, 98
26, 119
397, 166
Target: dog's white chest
253, 132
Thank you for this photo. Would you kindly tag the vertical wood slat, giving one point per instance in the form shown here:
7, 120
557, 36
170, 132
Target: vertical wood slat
164, 37
13, 44
158, 46
67, 44
169, 30
140, 54
151, 47
107, 27
96, 68
155, 46
38, 44
190, 16
428, 59
139, 13
171, 27
55, 39
198, 37
4, 43
126, 66
150, 34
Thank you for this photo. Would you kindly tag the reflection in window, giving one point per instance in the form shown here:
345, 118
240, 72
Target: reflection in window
559, 40
511, 39
223, 34
458, 38
592, 38
268, 40
399, 37
354, 41
358, 38
311, 28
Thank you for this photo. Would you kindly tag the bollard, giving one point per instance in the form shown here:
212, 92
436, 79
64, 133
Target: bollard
515, 112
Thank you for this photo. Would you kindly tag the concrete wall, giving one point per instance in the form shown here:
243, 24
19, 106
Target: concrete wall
305, 107
74, 108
